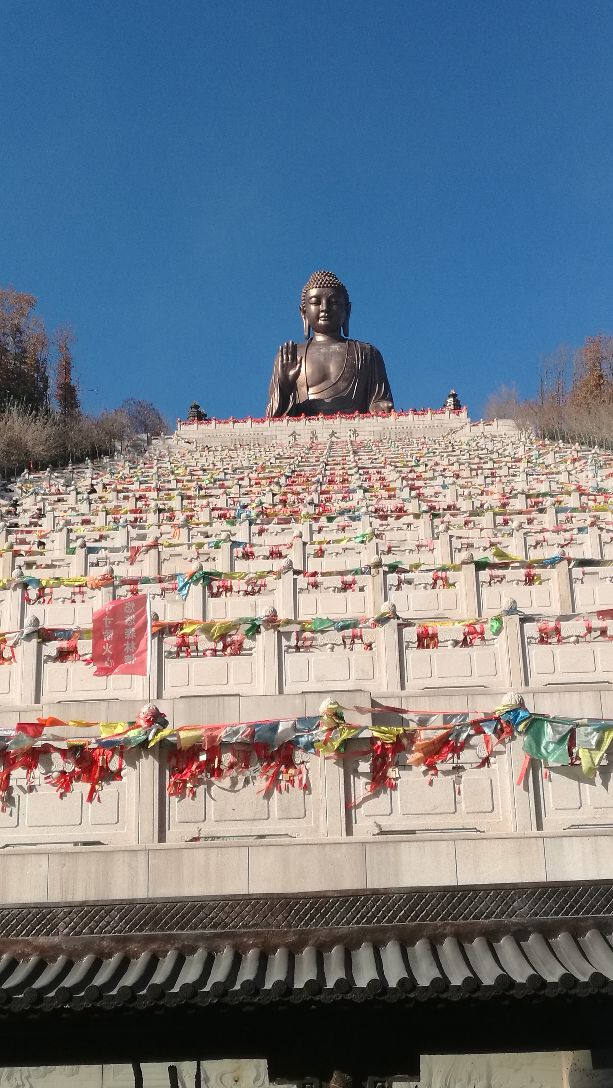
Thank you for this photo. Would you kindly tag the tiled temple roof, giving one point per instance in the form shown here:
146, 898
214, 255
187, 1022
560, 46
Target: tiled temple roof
394, 970
412, 945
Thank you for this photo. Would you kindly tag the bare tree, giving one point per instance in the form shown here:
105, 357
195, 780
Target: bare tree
31, 432
65, 389
24, 347
593, 371
574, 401
144, 417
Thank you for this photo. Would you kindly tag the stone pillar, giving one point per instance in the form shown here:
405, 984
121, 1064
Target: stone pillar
7, 561
156, 674
242, 532
515, 662
107, 594
594, 545
197, 604
123, 534
519, 544
224, 556
62, 539
388, 645
79, 559
376, 596
152, 563
15, 615
269, 649
286, 597
298, 552
469, 597
443, 547
149, 770
185, 531
425, 526
332, 774
563, 588
29, 654
551, 516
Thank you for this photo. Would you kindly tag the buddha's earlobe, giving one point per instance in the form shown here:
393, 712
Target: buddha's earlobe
345, 327
305, 325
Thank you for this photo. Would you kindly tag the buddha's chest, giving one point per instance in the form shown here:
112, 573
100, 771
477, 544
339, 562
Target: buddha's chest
325, 363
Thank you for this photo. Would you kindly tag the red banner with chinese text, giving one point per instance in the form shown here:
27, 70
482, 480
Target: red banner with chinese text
120, 637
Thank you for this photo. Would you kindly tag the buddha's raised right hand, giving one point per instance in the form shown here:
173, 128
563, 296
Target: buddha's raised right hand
289, 364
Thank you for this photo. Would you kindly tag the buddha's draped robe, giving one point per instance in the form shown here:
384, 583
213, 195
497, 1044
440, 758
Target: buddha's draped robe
362, 387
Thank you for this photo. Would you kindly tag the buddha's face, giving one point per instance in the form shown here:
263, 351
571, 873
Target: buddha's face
326, 310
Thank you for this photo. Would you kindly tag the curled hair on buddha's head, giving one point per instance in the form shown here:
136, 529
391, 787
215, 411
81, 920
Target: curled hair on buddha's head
323, 278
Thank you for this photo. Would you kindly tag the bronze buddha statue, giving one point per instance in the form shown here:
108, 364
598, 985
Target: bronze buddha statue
328, 372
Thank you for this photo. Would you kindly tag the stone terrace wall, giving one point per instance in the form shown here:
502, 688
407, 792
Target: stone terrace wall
337, 519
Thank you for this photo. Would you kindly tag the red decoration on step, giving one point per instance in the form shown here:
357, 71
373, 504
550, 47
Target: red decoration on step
549, 632
473, 633
427, 637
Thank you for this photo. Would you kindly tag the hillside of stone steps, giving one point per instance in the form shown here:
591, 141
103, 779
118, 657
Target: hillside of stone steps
486, 555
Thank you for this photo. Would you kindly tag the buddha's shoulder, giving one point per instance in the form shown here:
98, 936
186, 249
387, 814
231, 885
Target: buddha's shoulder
367, 349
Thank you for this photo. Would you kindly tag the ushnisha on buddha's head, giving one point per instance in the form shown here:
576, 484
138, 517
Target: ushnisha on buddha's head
325, 306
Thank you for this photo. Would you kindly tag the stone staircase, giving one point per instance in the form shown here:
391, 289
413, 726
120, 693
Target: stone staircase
434, 522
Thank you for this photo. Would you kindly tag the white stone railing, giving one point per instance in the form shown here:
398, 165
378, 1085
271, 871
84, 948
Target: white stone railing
427, 420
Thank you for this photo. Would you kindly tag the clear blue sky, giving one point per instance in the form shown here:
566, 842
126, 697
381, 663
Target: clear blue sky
171, 173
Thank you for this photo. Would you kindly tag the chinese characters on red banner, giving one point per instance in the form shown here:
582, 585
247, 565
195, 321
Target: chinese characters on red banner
120, 637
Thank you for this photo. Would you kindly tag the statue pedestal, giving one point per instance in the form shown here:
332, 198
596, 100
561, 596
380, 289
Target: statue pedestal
430, 423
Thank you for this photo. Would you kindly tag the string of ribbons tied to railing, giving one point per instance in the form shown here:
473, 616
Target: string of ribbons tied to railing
274, 755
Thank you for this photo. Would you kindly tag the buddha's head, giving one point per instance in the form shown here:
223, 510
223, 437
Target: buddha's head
324, 305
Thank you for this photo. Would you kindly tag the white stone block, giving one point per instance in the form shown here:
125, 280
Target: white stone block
24, 876
198, 869
410, 864
94, 873
299, 867
500, 861
579, 857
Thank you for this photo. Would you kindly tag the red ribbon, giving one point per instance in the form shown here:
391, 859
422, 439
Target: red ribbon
11, 761
90, 765
382, 759
279, 770
186, 771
